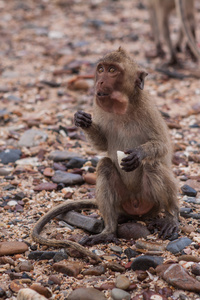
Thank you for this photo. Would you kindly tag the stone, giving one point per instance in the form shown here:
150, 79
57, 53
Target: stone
67, 178
9, 248
42, 255
116, 267
25, 266
92, 225
151, 246
49, 172
90, 178
61, 155
176, 275
2, 293
178, 245
59, 256
116, 249
188, 190
76, 162
70, 269
32, 137
10, 155
15, 286
130, 253
32, 161
27, 294
195, 269
44, 291
46, 186
122, 282
97, 271
132, 231
5, 171
107, 286
118, 294
54, 279
144, 262
86, 294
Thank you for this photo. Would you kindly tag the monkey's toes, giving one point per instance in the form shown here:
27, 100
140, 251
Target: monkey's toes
98, 239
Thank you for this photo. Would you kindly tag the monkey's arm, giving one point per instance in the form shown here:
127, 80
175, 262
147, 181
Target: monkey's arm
98, 139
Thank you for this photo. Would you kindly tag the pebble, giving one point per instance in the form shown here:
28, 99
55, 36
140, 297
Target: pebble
144, 262
132, 231
75, 162
2, 292
116, 267
70, 269
178, 245
61, 155
42, 255
55, 279
97, 271
107, 286
32, 161
44, 291
116, 249
92, 225
46, 186
49, 172
118, 294
175, 275
90, 178
12, 203
59, 256
86, 294
29, 294
122, 282
188, 190
25, 266
67, 178
130, 253
5, 171
152, 246
15, 286
187, 229
32, 137
8, 248
10, 155
195, 269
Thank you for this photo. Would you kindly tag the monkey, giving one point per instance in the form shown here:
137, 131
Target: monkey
159, 11
125, 119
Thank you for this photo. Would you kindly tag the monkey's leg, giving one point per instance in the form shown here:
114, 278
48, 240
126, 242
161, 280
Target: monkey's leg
109, 192
160, 186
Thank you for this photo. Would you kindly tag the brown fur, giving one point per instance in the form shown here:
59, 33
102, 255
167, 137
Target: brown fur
160, 11
141, 188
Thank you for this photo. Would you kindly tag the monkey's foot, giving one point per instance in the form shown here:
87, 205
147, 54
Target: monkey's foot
98, 239
168, 227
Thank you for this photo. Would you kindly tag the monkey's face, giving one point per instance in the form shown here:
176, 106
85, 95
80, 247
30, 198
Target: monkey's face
109, 87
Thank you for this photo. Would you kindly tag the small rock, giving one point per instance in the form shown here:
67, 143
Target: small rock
107, 286
25, 266
42, 255
76, 219
15, 286
144, 262
8, 248
122, 282
189, 191
61, 155
195, 269
118, 294
116, 249
152, 296
97, 271
130, 253
132, 231
67, 178
152, 246
5, 171
10, 155
49, 172
86, 294
32, 137
115, 267
78, 85
32, 161
2, 292
46, 186
12, 203
90, 178
76, 162
70, 269
55, 279
59, 256
44, 291
178, 245
29, 294
176, 275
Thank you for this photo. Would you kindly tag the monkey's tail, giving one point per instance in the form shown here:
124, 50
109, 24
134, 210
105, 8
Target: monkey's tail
62, 208
186, 29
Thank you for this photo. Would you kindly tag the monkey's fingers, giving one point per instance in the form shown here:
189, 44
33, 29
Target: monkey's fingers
130, 165
98, 239
82, 119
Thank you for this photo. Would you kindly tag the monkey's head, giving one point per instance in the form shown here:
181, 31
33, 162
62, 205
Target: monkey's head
118, 78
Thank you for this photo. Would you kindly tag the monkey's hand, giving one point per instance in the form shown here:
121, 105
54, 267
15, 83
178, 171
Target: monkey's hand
82, 119
133, 160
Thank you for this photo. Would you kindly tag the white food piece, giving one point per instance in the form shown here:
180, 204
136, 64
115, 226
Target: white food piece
120, 156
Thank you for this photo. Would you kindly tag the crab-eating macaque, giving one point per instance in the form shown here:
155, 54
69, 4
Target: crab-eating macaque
159, 18
125, 119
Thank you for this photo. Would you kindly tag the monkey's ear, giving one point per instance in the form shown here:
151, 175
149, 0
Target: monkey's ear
140, 79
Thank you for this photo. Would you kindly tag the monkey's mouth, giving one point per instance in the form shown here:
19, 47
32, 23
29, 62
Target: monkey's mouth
101, 94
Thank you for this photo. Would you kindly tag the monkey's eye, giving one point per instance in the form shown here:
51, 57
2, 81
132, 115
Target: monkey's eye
112, 70
100, 69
